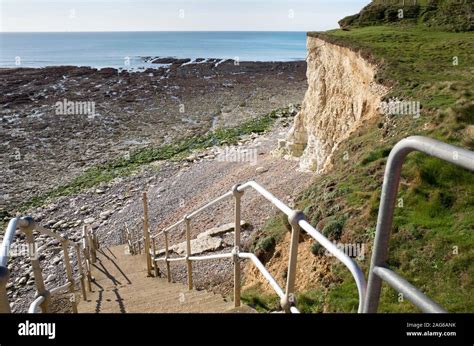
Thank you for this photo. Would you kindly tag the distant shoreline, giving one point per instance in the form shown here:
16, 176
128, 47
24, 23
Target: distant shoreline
114, 112
153, 65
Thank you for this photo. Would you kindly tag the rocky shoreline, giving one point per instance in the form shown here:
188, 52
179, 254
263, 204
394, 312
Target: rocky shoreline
42, 149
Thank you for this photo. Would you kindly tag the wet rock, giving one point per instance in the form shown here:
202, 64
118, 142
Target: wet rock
199, 246
106, 214
89, 220
59, 224
192, 158
217, 231
170, 60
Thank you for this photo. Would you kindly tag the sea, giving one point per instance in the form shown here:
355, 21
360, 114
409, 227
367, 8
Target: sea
130, 50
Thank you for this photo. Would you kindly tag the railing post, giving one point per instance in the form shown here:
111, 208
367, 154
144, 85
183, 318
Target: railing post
81, 271
37, 272
88, 271
86, 257
188, 252
4, 303
139, 246
5, 245
146, 233
289, 299
155, 266
70, 276
129, 240
168, 270
90, 245
95, 241
237, 215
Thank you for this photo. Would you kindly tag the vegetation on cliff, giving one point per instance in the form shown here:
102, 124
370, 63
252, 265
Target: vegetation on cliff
432, 238
449, 15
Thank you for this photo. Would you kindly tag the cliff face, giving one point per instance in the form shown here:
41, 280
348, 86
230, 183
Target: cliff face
341, 95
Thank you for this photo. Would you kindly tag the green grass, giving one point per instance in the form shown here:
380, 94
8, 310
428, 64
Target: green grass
333, 229
310, 301
375, 155
121, 167
417, 58
432, 242
260, 301
266, 243
272, 232
435, 207
447, 15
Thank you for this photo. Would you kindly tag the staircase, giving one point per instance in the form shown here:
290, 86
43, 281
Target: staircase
121, 285
123, 280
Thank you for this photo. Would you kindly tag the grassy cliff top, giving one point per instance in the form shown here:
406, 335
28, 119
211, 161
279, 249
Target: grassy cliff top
414, 60
432, 242
448, 15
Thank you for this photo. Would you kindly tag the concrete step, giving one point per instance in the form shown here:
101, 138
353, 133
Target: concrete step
121, 285
189, 303
203, 306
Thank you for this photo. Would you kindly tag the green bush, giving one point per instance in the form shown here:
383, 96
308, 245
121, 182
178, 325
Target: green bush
333, 229
317, 249
266, 244
376, 155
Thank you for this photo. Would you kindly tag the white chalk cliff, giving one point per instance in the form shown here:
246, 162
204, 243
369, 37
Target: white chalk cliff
342, 93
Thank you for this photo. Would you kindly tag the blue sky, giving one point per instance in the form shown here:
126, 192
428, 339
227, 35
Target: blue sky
174, 15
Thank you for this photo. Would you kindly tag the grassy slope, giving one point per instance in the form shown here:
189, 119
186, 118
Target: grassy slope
436, 216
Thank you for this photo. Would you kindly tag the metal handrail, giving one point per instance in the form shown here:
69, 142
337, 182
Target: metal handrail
8, 238
271, 280
368, 296
378, 269
195, 213
35, 304
27, 225
244, 255
59, 289
298, 222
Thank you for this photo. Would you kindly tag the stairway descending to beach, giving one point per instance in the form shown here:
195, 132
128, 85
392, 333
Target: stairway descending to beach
123, 279
121, 285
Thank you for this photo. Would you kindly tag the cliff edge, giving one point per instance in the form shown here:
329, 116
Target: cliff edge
342, 94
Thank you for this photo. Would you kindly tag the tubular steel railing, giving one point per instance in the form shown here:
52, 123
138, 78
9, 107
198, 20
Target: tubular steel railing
369, 296
85, 248
378, 268
297, 221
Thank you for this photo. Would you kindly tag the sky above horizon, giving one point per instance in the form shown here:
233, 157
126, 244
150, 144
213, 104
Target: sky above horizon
173, 15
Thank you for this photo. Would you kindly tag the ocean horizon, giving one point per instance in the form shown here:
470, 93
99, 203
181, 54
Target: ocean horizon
129, 49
